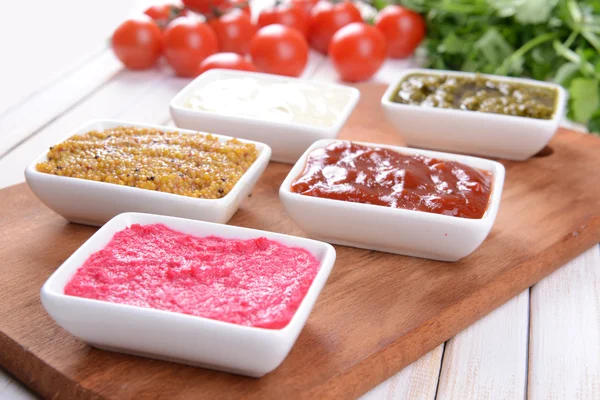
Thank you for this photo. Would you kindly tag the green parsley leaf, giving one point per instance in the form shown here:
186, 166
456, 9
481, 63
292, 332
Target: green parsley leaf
585, 98
535, 11
566, 73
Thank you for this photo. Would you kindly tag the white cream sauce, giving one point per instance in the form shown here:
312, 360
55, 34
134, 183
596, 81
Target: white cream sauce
296, 102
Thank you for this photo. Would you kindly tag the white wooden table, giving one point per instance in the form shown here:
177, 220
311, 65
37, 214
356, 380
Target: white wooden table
543, 344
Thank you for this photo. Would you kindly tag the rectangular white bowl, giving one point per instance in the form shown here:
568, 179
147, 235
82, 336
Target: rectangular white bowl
472, 132
413, 233
287, 140
93, 203
174, 336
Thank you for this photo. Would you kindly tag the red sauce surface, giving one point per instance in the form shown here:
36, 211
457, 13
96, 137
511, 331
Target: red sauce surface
357, 173
256, 282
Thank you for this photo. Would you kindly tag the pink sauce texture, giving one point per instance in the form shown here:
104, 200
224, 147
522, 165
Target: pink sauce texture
256, 282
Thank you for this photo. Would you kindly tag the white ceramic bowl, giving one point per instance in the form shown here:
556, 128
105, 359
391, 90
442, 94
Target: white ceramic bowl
407, 232
174, 336
93, 203
287, 140
471, 132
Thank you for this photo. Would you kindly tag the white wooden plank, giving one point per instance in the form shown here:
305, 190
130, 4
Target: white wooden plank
564, 348
15, 390
21, 121
488, 360
33, 58
133, 95
35, 108
315, 61
4, 380
418, 381
24, 94
153, 105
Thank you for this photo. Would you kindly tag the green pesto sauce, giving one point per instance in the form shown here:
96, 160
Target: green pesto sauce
477, 94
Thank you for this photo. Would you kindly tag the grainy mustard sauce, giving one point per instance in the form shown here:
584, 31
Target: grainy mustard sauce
193, 165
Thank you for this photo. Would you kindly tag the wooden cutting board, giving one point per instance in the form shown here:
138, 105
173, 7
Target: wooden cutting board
378, 312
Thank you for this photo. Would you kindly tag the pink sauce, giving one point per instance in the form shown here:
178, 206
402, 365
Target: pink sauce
256, 282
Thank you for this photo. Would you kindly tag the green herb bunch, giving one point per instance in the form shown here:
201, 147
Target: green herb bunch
551, 40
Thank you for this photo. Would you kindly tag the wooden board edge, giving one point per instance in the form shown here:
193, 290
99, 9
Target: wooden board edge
372, 371
36, 374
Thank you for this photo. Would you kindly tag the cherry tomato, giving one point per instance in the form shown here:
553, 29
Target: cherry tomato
186, 43
164, 13
279, 49
357, 51
204, 6
136, 42
226, 61
234, 31
291, 15
306, 5
325, 20
404, 30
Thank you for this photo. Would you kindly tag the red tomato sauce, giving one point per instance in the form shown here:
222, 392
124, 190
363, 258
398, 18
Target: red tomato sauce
256, 282
352, 172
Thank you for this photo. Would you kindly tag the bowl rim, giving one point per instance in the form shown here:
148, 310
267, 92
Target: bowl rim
113, 226
495, 168
558, 114
263, 158
177, 107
